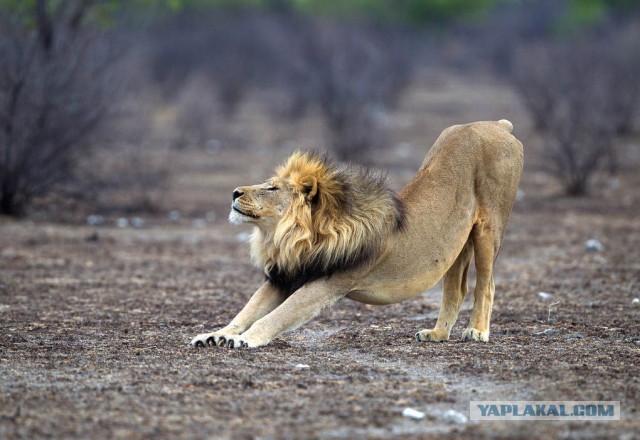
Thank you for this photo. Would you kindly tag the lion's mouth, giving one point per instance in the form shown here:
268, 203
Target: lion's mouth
244, 213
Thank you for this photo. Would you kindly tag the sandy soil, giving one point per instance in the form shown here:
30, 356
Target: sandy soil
94, 321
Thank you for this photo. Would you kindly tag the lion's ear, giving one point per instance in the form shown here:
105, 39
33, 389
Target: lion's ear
309, 187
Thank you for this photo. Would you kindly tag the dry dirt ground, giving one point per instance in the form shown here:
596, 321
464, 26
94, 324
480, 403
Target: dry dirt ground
95, 321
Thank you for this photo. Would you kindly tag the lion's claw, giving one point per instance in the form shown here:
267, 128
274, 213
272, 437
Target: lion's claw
216, 340
204, 340
471, 334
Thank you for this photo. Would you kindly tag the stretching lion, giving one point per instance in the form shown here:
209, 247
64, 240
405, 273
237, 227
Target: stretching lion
324, 232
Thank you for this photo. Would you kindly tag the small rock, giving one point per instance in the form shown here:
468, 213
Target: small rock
545, 295
455, 417
574, 336
635, 302
95, 220
243, 237
137, 222
638, 344
413, 413
122, 222
593, 245
302, 366
174, 215
547, 332
198, 223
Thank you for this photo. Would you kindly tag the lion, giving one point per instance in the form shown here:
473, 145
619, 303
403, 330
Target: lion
325, 231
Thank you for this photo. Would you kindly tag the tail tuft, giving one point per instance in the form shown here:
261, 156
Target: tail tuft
506, 125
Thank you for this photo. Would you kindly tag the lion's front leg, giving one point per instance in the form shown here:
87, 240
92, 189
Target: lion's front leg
266, 298
303, 305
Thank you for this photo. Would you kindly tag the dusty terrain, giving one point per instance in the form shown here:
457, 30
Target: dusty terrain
94, 321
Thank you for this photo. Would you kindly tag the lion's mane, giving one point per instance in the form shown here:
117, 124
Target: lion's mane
337, 221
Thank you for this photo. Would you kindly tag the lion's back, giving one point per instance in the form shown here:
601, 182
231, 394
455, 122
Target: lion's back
476, 146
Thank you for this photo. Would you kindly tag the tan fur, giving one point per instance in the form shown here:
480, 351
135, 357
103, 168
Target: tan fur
326, 232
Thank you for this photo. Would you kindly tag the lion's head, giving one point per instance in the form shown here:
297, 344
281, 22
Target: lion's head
315, 217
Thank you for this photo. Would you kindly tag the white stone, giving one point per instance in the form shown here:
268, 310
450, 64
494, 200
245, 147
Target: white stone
547, 332
455, 417
413, 413
137, 222
95, 220
593, 245
545, 295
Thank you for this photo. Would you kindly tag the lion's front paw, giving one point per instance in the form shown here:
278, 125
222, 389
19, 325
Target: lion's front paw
434, 335
239, 341
205, 339
471, 334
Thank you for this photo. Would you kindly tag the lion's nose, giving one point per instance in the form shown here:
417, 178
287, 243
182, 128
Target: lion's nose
237, 193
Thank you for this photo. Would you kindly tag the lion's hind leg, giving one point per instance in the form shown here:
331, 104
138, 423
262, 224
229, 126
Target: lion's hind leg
486, 241
453, 293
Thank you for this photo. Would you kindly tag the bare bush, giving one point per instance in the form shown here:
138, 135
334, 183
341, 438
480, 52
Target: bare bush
207, 62
580, 96
226, 47
124, 178
197, 111
351, 74
509, 28
622, 49
55, 84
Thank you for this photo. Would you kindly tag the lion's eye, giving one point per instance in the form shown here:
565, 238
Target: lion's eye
272, 188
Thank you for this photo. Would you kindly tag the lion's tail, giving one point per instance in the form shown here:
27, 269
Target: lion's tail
506, 125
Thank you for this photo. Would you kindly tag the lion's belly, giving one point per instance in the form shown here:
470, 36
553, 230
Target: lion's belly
390, 291
406, 270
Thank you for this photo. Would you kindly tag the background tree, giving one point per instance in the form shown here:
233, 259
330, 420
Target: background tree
55, 83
